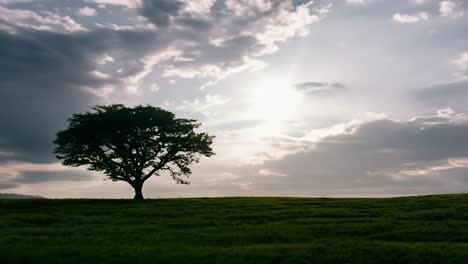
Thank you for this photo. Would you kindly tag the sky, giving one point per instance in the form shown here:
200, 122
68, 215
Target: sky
305, 98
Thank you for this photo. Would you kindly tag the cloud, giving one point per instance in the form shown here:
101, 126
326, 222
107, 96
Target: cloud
204, 105
154, 87
462, 64
404, 19
269, 172
34, 107
319, 87
357, 1
451, 94
6, 2
244, 32
28, 177
7, 185
44, 174
103, 59
160, 12
420, 154
450, 8
63, 77
125, 3
22, 174
213, 44
87, 11
47, 21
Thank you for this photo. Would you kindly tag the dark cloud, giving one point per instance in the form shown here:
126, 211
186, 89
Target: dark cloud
381, 153
319, 87
7, 185
18, 196
454, 94
160, 11
40, 87
214, 40
49, 176
189, 21
47, 76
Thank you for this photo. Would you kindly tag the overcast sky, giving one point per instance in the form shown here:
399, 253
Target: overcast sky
306, 98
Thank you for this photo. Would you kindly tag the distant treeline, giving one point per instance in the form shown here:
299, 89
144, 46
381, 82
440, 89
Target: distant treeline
19, 196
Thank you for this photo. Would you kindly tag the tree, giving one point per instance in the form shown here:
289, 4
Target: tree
132, 144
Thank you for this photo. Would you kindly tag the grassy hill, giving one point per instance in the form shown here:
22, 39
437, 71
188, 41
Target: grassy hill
425, 229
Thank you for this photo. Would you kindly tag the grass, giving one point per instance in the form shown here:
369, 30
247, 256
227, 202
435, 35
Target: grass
424, 229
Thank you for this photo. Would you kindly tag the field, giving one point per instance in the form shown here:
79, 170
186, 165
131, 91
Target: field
424, 229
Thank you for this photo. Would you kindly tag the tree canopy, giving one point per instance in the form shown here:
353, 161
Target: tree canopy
132, 144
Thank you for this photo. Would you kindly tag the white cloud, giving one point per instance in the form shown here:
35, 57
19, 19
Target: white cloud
249, 30
214, 71
462, 64
87, 11
249, 7
357, 1
40, 21
126, 3
450, 8
247, 185
104, 59
199, 6
287, 23
203, 105
402, 18
154, 87
425, 170
269, 172
148, 63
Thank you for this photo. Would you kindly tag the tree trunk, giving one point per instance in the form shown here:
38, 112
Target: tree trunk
138, 191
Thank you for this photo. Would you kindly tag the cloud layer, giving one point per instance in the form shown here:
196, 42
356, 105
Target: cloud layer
425, 153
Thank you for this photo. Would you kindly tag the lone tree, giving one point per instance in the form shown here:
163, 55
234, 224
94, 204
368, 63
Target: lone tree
132, 144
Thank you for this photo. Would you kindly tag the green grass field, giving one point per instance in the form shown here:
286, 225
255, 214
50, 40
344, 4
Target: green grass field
425, 229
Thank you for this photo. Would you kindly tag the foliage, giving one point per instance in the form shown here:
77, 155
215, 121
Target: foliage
132, 144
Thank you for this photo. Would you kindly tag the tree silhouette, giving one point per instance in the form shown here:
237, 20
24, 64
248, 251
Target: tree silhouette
132, 144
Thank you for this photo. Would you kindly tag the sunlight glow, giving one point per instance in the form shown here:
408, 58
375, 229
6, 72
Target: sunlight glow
275, 102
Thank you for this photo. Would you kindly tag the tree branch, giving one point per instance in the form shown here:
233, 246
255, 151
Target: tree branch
161, 164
